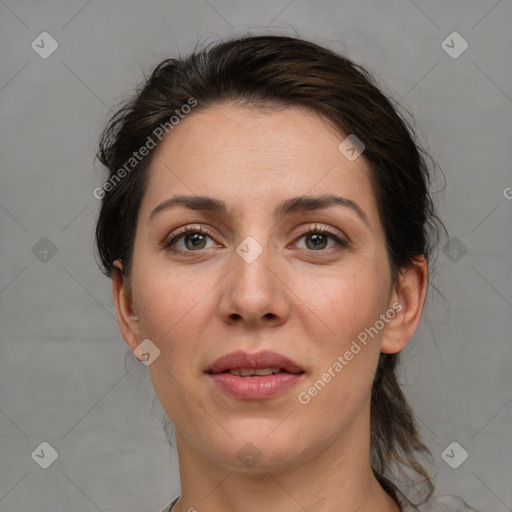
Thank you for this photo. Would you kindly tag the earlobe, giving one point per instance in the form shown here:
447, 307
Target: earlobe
409, 294
126, 317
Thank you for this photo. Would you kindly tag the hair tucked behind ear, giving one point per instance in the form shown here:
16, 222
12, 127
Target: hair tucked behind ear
270, 71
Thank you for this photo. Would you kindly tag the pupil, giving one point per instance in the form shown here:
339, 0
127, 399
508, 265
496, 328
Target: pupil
317, 240
196, 240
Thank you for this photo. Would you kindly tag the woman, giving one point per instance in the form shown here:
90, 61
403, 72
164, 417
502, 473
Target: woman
267, 226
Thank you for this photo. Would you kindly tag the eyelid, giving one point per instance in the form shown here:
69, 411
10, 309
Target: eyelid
338, 236
191, 228
323, 229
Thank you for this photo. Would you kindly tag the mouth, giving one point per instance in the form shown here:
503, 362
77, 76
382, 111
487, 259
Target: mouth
245, 364
257, 372
255, 376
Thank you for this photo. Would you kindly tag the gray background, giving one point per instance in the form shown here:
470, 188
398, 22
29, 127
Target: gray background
62, 361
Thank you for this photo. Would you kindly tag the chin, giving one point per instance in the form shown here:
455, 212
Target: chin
257, 453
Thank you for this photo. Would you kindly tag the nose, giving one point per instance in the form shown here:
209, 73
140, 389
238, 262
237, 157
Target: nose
255, 292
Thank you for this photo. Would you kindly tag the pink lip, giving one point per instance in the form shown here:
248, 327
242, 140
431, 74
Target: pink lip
255, 387
263, 359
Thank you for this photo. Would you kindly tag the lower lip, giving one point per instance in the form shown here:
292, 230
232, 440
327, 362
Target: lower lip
257, 387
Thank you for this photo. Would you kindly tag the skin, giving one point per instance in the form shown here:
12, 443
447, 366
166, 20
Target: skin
306, 303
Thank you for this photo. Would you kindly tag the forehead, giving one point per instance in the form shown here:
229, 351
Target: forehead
250, 157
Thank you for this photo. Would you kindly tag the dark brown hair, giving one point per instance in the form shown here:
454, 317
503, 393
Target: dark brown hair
283, 71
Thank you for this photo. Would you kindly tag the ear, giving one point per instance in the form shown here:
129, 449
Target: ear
407, 299
126, 317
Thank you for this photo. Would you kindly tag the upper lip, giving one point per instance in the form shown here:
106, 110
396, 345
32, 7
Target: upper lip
263, 359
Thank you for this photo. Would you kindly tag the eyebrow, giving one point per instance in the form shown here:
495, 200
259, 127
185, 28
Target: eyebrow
287, 207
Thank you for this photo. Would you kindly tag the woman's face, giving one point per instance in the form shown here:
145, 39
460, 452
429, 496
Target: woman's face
254, 281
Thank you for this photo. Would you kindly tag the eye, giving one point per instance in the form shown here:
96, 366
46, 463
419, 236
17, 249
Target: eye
193, 238
317, 238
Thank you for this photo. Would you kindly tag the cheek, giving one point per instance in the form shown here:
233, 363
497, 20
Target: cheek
172, 315
346, 357
342, 302
345, 362
164, 293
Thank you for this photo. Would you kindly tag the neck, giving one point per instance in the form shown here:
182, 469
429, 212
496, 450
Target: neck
337, 478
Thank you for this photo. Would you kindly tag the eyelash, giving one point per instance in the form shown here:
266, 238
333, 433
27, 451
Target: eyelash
314, 230
185, 231
325, 231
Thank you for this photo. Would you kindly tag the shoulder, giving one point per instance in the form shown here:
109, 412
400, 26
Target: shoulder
435, 504
168, 508
405, 504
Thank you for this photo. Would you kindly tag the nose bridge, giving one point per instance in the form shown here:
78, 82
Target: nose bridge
252, 263
252, 254
254, 292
